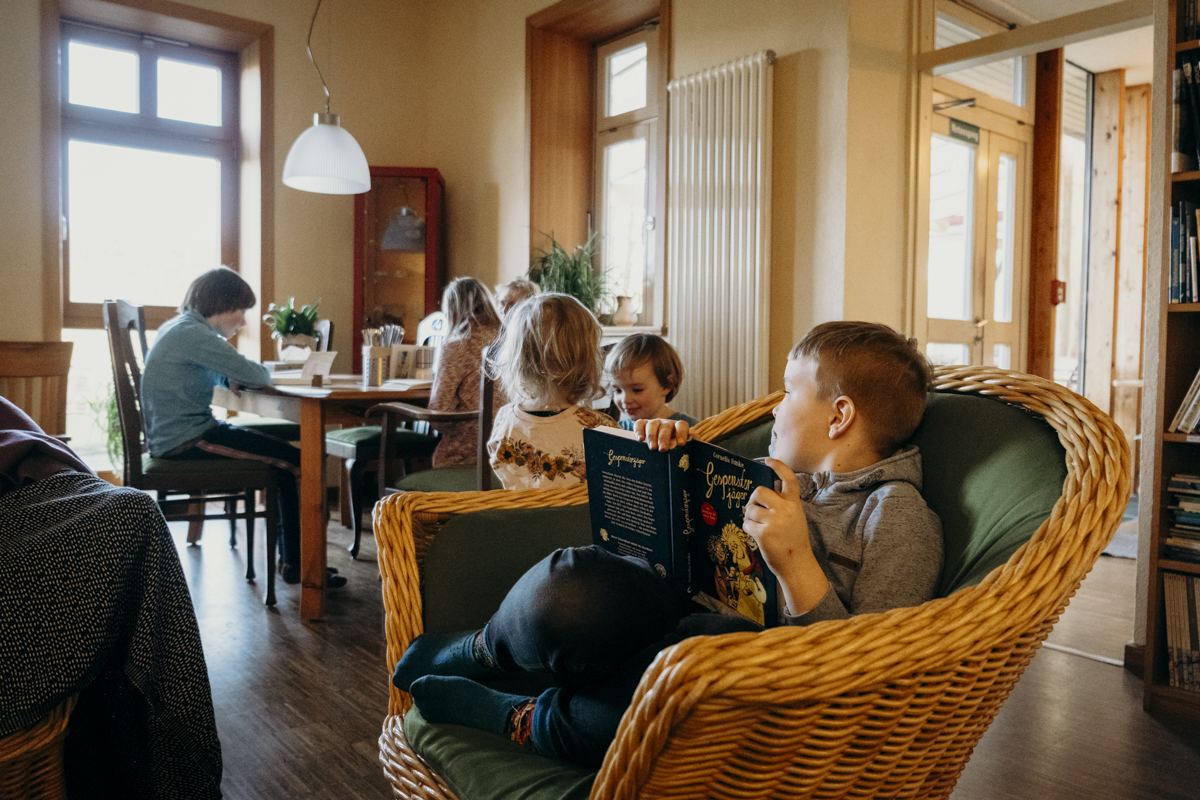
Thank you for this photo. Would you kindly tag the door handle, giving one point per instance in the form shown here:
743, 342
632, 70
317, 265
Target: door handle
979, 323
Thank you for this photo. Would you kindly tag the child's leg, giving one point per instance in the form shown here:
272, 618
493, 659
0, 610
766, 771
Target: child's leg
578, 613
229, 441
581, 612
574, 724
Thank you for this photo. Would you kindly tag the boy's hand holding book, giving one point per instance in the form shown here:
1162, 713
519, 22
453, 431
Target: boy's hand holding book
776, 521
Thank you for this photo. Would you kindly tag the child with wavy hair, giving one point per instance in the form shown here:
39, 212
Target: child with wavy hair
474, 324
547, 361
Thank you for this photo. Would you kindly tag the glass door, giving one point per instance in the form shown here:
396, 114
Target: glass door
977, 257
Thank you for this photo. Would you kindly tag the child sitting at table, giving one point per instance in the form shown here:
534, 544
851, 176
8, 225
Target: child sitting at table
474, 324
189, 357
644, 373
547, 361
513, 292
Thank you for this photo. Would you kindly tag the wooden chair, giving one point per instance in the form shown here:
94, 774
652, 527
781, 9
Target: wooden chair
411, 445
888, 704
183, 482
33, 376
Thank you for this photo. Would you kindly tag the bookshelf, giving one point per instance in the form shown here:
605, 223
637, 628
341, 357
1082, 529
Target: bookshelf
1178, 354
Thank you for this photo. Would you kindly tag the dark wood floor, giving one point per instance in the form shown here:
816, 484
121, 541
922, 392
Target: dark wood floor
299, 705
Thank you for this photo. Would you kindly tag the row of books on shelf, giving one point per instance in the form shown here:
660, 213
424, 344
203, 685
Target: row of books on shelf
1183, 537
1185, 254
1185, 116
1189, 21
1182, 595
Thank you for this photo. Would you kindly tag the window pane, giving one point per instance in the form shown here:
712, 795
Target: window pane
1002, 79
103, 77
142, 224
627, 80
625, 244
189, 92
1006, 204
951, 193
1002, 356
945, 353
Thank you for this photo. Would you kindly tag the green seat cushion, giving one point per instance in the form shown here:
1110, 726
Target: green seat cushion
362, 442
750, 441
485, 765
993, 473
279, 428
444, 479
163, 467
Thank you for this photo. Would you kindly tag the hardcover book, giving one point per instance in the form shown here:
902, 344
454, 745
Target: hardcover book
682, 510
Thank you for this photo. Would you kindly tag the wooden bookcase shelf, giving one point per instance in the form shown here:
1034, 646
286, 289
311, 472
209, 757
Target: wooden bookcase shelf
1179, 356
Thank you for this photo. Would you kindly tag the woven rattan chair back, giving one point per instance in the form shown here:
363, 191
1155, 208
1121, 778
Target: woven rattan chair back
31, 760
878, 705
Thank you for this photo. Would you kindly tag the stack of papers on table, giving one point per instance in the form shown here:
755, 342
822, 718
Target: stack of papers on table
405, 385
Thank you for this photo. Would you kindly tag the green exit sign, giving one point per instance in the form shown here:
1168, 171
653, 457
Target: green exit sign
964, 131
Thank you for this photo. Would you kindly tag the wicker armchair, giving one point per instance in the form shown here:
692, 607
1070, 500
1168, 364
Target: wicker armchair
31, 761
878, 705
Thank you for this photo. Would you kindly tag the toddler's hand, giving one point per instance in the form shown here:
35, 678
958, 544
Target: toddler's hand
661, 434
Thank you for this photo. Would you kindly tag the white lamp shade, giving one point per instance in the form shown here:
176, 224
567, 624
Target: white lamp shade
326, 159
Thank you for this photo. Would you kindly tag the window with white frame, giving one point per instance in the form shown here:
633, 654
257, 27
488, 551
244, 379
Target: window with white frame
626, 143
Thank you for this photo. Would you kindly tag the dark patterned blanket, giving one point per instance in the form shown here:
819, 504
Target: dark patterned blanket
93, 602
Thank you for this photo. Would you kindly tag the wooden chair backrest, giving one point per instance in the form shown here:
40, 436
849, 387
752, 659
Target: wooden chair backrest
121, 320
33, 376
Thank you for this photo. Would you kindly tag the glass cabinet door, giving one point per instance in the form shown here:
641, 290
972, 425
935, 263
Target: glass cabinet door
399, 251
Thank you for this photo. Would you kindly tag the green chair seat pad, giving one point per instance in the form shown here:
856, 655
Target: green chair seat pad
992, 472
444, 479
362, 442
165, 467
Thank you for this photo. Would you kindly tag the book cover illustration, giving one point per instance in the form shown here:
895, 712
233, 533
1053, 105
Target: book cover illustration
682, 511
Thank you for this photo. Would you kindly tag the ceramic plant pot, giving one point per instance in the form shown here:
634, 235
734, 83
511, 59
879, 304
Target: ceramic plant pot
624, 315
295, 346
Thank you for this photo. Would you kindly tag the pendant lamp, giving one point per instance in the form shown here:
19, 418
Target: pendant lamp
325, 158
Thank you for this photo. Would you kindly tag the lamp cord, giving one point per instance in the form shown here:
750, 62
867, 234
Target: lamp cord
312, 59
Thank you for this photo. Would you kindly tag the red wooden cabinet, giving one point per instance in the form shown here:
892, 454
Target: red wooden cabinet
399, 251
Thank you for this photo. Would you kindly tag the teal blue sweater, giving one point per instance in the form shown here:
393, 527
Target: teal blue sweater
187, 360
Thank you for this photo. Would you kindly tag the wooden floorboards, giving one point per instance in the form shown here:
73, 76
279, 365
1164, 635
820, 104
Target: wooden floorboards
299, 705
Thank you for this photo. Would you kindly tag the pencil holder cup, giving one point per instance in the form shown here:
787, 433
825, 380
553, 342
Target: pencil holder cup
376, 364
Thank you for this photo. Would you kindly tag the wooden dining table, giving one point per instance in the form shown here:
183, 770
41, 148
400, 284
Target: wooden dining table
341, 400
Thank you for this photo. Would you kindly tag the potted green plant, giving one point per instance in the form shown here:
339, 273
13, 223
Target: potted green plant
293, 328
107, 419
556, 270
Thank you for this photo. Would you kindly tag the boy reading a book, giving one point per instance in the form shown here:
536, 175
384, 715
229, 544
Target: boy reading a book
845, 532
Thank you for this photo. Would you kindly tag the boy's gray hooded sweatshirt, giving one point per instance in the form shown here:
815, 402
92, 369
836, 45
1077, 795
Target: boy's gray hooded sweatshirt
879, 544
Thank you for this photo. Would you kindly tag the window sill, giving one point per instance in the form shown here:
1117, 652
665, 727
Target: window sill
616, 332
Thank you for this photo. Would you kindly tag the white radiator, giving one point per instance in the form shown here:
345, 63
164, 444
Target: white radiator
718, 228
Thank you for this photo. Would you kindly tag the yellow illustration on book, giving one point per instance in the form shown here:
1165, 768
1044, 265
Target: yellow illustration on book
738, 572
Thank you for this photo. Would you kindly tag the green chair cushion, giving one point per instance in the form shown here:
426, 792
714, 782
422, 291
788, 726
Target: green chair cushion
369, 435
444, 479
750, 442
165, 467
992, 473
279, 428
486, 765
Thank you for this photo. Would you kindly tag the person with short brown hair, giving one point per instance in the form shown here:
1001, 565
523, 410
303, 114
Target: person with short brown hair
513, 292
644, 373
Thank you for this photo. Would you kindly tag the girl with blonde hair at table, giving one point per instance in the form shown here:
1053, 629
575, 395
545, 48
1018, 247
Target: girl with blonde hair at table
474, 324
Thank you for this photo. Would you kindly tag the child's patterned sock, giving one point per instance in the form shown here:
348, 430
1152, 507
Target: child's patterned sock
461, 701
443, 654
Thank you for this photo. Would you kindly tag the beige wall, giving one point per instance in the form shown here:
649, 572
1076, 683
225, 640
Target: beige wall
443, 85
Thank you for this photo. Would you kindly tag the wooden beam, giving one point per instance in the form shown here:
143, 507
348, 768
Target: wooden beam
1131, 268
1043, 36
1104, 244
1043, 234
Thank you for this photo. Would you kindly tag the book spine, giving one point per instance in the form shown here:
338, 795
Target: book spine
1178, 159
1191, 414
1193, 597
683, 523
1171, 618
1192, 282
1174, 267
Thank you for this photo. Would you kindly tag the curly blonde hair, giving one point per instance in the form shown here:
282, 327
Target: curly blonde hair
549, 352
